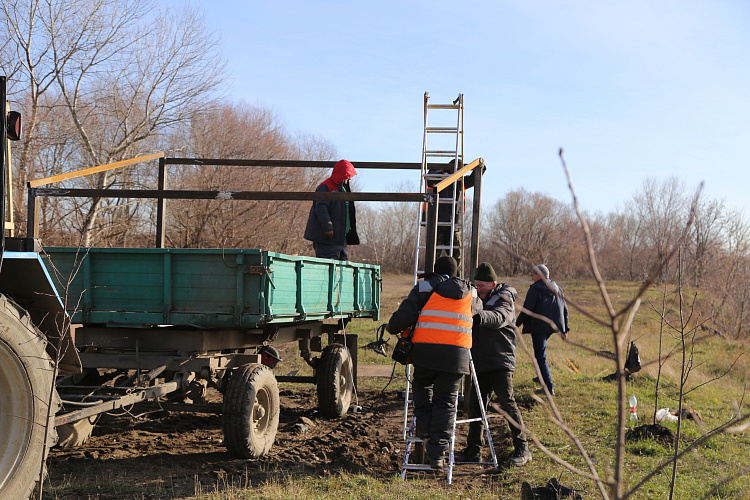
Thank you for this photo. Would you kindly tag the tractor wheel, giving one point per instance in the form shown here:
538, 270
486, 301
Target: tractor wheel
251, 411
29, 402
335, 381
76, 433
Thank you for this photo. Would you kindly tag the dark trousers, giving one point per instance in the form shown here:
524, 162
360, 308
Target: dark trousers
540, 353
328, 251
435, 396
500, 381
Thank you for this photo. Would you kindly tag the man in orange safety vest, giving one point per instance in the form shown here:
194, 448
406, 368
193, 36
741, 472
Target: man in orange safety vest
440, 309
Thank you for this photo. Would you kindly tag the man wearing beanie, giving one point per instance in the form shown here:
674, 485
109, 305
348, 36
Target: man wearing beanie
332, 224
440, 309
494, 354
545, 299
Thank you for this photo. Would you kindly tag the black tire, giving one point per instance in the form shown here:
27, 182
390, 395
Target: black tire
76, 433
335, 377
251, 411
27, 427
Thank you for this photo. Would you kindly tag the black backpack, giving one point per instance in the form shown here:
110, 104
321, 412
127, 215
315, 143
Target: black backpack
633, 361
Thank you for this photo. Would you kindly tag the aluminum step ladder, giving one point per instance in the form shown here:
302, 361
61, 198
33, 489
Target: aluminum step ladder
415, 445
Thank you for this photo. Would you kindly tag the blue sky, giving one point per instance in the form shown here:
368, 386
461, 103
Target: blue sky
629, 89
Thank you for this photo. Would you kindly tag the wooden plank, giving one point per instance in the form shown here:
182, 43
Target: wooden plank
93, 170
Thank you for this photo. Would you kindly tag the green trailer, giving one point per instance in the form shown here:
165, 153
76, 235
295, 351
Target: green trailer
171, 322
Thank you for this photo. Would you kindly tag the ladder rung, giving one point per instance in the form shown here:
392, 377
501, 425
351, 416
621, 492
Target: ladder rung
421, 467
440, 152
441, 247
469, 420
443, 130
443, 106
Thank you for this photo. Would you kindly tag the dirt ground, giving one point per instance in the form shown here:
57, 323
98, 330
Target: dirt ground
175, 455
178, 454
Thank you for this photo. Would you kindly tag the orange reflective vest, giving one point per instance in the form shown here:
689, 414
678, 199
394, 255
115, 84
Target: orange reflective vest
445, 321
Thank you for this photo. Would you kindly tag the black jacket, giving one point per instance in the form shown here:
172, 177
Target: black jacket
445, 358
494, 337
330, 215
545, 302
444, 209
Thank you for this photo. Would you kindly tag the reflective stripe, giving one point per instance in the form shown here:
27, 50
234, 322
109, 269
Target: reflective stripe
443, 326
430, 336
492, 300
446, 314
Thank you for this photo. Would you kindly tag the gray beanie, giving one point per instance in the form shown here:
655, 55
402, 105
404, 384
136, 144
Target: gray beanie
541, 270
485, 272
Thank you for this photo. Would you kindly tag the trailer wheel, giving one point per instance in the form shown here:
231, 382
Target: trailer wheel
335, 381
251, 411
76, 433
27, 428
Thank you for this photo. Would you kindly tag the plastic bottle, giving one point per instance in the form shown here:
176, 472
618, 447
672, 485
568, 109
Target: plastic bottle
633, 406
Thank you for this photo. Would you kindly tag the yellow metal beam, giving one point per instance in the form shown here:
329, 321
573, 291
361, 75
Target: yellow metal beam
94, 170
457, 175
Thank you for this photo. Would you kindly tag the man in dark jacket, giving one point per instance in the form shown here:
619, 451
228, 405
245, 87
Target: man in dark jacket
440, 308
332, 224
494, 354
545, 312
445, 209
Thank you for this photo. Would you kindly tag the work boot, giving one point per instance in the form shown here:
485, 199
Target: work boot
469, 454
527, 493
521, 456
437, 463
562, 491
540, 391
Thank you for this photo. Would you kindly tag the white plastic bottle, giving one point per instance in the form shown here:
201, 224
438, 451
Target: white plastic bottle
633, 408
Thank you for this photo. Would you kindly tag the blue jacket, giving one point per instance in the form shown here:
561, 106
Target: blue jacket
545, 302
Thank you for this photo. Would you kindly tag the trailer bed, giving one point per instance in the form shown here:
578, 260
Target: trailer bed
209, 288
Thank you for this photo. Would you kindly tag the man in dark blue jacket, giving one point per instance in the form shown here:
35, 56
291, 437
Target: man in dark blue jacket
545, 312
494, 354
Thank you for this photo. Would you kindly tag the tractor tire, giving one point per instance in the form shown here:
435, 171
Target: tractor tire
76, 433
251, 411
27, 411
335, 377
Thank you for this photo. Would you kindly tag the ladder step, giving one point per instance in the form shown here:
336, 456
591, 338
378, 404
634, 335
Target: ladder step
421, 467
469, 420
443, 224
441, 247
443, 106
440, 152
443, 130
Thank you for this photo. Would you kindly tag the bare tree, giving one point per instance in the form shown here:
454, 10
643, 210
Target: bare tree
660, 209
530, 224
123, 72
707, 237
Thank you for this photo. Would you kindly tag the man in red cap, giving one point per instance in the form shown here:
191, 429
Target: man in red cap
332, 224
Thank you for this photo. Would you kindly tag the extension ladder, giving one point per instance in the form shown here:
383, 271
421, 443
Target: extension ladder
452, 147
443, 142
413, 441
